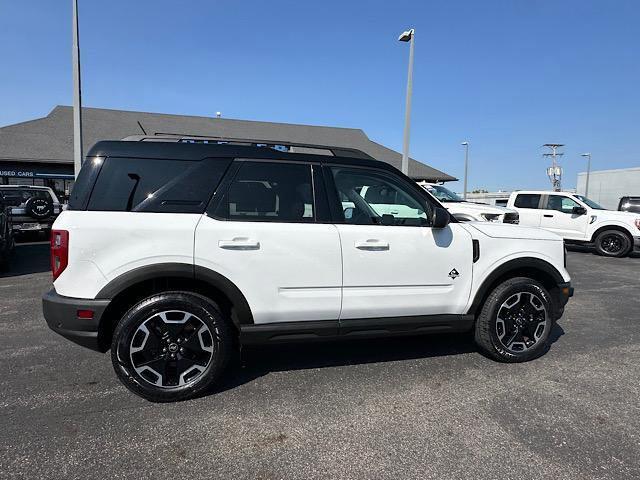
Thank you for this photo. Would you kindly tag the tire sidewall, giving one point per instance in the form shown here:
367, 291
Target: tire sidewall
505, 291
626, 242
192, 303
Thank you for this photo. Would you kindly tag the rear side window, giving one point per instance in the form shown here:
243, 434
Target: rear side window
269, 192
527, 200
156, 185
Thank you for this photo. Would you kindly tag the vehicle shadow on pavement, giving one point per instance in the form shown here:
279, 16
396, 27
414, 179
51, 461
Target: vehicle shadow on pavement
26, 259
592, 251
256, 362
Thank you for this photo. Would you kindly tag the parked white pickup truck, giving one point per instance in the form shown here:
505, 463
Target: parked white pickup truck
468, 211
579, 220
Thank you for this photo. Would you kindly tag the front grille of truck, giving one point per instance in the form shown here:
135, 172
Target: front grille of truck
511, 217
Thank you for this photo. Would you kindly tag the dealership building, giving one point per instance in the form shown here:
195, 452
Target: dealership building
40, 151
606, 187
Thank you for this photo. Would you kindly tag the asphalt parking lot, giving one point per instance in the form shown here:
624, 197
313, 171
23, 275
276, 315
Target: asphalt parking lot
423, 408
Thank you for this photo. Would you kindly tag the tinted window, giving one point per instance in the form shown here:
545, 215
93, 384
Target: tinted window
154, 185
561, 203
271, 192
527, 200
17, 197
630, 204
369, 197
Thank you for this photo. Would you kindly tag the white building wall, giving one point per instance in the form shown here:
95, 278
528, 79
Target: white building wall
607, 186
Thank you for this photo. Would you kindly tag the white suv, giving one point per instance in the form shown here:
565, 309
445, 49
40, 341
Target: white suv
579, 220
172, 255
469, 211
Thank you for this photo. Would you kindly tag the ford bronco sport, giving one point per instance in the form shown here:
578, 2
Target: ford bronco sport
173, 255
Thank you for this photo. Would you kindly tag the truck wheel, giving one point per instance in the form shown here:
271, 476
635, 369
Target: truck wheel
613, 243
515, 321
171, 346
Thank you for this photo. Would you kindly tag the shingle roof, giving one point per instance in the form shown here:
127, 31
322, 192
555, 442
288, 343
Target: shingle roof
50, 139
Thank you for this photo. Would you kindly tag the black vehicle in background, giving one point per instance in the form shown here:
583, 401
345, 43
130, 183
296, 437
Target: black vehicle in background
33, 208
6, 233
629, 204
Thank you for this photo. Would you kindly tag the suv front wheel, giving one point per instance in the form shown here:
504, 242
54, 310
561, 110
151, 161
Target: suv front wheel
515, 321
171, 346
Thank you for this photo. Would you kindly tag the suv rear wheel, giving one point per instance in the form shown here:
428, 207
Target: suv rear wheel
613, 243
171, 346
515, 321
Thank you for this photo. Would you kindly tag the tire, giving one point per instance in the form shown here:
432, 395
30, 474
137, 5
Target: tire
613, 243
518, 302
4, 261
38, 208
184, 325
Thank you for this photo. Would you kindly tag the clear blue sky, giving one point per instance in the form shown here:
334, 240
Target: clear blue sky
506, 75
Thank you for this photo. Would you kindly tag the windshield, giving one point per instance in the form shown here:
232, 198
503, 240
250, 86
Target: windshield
443, 194
589, 202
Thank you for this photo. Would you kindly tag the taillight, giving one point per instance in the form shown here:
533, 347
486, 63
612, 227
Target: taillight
59, 251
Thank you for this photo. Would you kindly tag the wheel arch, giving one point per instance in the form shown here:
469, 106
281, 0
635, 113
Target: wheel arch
614, 226
530, 267
124, 291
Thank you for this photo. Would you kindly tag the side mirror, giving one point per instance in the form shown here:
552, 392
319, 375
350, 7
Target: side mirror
579, 210
440, 218
387, 219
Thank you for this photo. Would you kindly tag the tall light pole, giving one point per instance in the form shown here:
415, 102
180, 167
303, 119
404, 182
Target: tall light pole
586, 188
407, 37
466, 168
77, 98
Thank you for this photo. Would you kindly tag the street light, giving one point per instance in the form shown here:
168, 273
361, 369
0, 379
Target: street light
586, 189
466, 168
407, 36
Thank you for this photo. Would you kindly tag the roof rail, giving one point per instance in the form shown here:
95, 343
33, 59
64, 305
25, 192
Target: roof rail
280, 145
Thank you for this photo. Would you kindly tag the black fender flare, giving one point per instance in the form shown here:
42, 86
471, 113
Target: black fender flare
187, 271
530, 263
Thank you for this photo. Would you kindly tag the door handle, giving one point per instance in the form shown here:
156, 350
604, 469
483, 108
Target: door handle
547, 216
239, 243
372, 244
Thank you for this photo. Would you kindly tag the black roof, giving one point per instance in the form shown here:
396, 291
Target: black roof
50, 139
198, 151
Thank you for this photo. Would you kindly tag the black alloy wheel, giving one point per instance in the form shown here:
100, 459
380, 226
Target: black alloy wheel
515, 322
171, 346
613, 243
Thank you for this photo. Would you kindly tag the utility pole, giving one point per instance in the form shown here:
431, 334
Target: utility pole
554, 172
77, 97
466, 168
407, 37
586, 190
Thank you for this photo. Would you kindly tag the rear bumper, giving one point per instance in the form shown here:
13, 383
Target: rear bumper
61, 314
636, 245
23, 223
